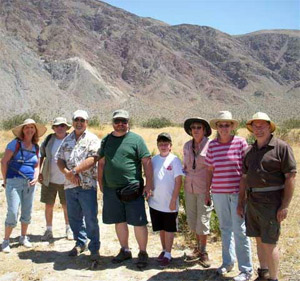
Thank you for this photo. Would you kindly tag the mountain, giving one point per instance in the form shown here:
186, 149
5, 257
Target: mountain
57, 56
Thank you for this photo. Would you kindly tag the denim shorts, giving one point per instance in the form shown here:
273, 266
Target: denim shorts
261, 216
48, 193
116, 211
18, 193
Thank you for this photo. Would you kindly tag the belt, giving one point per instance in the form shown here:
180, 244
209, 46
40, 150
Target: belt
265, 189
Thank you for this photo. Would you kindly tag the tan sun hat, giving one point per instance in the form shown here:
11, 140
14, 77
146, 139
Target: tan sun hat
188, 122
41, 129
260, 116
60, 120
223, 116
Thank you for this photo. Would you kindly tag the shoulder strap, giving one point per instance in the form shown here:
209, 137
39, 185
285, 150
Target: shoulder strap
47, 139
17, 148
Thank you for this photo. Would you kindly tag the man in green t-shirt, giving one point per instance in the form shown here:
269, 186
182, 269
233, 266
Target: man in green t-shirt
121, 158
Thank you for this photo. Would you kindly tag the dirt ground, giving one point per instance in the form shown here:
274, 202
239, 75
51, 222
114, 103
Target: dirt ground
50, 262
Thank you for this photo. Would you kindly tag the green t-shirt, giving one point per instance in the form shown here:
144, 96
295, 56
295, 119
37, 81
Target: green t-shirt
123, 157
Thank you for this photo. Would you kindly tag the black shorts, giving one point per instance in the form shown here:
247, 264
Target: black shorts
164, 221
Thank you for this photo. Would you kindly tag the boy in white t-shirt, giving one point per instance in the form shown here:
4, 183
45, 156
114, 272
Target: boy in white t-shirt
167, 176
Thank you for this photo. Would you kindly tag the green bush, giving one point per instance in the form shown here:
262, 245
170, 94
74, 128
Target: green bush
18, 119
157, 123
250, 139
214, 224
94, 122
291, 124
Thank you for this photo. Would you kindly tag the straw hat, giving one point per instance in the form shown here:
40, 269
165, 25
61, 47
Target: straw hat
60, 120
190, 121
41, 129
260, 116
223, 116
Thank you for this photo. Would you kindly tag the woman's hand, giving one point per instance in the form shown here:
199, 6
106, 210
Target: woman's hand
172, 205
33, 182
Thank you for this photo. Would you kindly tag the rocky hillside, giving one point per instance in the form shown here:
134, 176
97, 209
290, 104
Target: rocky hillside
57, 56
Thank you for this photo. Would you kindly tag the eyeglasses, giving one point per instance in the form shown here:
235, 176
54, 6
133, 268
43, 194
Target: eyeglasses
118, 121
196, 127
224, 126
81, 120
60, 125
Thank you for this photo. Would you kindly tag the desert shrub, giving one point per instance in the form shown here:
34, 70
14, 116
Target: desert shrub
214, 224
250, 139
16, 120
291, 124
157, 123
282, 133
94, 122
242, 124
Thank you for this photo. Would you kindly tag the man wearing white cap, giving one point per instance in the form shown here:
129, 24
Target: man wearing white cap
269, 170
76, 160
51, 178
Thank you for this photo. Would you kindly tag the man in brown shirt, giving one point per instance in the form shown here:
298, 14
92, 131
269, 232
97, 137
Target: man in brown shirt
269, 171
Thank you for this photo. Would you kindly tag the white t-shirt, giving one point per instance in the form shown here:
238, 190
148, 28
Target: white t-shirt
56, 176
165, 170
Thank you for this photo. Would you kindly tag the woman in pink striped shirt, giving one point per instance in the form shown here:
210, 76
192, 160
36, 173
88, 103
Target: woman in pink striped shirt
224, 159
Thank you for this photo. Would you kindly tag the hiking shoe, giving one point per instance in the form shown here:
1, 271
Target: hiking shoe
95, 256
24, 240
243, 276
122, 256
77, 250
48, 235
69, 234
142, 260
165, 262
223, 269
5, 246
204, 260
160, 257
263, 274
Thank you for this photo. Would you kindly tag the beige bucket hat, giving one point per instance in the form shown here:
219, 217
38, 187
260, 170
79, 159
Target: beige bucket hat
188, 122
224, 116
41, 129
260, 116
60, 120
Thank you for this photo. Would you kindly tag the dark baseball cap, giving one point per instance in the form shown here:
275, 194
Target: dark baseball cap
164, 137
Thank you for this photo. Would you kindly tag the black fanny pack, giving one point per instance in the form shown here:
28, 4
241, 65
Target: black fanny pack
130, 192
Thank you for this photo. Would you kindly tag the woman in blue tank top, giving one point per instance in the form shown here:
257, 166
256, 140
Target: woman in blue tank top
20, 170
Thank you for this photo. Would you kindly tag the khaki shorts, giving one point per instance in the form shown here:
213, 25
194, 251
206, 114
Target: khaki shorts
48, 193
261, 216
198, 214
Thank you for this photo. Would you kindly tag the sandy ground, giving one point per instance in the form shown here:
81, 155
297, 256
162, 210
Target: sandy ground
50, 262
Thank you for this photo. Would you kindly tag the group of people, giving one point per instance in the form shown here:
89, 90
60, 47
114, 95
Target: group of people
250, 187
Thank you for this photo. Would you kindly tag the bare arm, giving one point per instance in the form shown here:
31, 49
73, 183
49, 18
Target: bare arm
178, 182
242, 197
209, 175
101, 164
36, 174
40, 174
4, 163
289, 187
147, 165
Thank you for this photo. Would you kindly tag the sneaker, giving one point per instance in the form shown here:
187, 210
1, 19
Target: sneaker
165, 262
24, 240
263, 274
48, 235
77, 250
243, 276
122, 256
223, 269
69, 234
142, 260
204, 260
5, 246
160, 257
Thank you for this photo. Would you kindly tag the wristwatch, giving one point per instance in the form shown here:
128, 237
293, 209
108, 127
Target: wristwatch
73, 172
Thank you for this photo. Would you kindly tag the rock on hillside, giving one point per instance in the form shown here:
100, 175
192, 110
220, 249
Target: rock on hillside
60, 55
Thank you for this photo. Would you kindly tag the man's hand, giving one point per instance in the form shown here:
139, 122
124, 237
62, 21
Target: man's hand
207, 199
148, 191
282, 214
75, 179
172, 205
240, 210
40, 178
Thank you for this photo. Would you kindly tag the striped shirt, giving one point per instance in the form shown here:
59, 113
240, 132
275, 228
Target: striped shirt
227, 161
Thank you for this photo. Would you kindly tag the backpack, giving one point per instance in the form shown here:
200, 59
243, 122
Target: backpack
18, 147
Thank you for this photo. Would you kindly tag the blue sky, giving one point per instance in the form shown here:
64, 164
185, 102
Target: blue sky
230, 16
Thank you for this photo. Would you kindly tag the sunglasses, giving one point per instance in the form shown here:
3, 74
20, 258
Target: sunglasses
60, 125
118, 121
224, 126
81, 120
196, 127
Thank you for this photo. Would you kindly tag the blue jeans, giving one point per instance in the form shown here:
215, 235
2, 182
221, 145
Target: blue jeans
18, 193
235, 243
82, 209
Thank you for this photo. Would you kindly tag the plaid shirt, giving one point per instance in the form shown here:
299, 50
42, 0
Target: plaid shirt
74, 152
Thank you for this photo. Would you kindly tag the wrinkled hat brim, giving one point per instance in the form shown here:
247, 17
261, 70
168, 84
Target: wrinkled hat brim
187, 125
41, 129
249, 124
